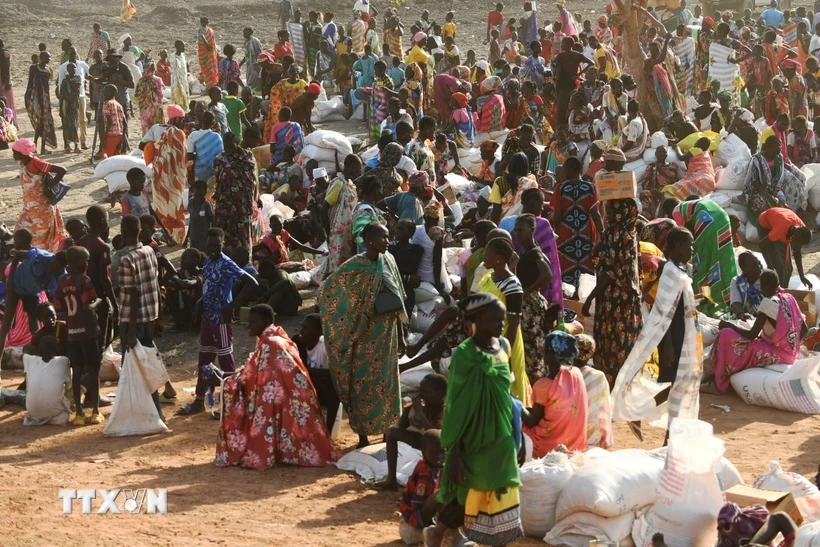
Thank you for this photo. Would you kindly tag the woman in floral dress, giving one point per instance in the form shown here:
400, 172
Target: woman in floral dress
271, 412
148, 94
617, 295
235, 174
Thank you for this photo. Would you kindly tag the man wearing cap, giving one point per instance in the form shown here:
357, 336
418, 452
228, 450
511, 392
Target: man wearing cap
81, 69
303, 105
772, 17
118, 74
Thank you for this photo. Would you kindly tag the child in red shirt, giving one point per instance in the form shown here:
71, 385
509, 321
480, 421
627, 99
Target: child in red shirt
418, 504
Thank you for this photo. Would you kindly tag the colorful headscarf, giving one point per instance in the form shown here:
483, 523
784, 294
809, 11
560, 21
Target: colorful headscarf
614, 154
391, 154
603, 19
477, 302
491, 84
461, 99
562, 345
175, 111
736, 524
586, 347
419, 37
419, 179
24, 146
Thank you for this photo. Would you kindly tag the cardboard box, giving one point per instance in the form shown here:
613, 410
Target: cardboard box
617, 185
448, 192
775, 502
808, 306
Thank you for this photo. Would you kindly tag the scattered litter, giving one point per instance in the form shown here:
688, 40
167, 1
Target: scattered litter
101, 460
725, 408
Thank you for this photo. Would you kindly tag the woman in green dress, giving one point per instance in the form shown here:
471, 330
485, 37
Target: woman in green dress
361, 305
481, 433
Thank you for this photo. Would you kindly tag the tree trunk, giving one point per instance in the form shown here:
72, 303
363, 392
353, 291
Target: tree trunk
633, 60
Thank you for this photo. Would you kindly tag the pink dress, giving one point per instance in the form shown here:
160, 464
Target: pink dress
732, 353
564, 399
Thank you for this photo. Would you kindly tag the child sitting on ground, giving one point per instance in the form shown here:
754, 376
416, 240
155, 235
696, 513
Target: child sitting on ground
274, 247
201, 215
75, 295
135, 200
311, 344
422, 412
46, 376
418, 504
599, 402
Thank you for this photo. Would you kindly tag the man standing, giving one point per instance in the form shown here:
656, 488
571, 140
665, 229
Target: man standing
781, 233
567, 68
81, 70
139, 291
253, 47
772, 17
99, 40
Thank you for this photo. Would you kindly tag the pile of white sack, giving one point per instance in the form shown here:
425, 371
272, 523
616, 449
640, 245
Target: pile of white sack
603, 495
325, 146
115, 169
328, 110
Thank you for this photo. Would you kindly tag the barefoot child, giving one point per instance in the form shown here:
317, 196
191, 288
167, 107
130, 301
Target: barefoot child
75, 296
113, 123
421, 413
418, 504
215, 338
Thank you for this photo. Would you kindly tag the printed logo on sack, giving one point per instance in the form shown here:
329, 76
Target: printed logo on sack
116, 501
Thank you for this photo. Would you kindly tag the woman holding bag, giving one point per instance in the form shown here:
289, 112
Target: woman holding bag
40, 215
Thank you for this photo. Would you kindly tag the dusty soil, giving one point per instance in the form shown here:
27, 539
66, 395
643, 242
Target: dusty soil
207, 505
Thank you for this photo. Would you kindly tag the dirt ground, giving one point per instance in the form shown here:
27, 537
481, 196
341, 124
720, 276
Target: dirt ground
207, 505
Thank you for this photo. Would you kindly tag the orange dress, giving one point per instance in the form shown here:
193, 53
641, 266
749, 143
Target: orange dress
564, 399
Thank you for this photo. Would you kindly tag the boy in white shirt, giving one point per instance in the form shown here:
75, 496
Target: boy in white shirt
311, 346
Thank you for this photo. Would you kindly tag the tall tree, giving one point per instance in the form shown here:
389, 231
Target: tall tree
634, 60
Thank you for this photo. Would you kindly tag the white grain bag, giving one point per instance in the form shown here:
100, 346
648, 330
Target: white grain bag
814, 198
752, 235
808, 535
541, 483
612, 486
733, 176
658, 138
795, 390
313, 152
324, 138
688, 492
119, 163
783, 481
134, 412
370, 462
45, 394
578, 529
812, 173
732, 148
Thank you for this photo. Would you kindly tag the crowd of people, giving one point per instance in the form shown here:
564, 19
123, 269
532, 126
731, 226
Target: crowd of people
549, 108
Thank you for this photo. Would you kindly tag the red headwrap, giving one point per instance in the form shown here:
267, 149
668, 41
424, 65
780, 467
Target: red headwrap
461, 99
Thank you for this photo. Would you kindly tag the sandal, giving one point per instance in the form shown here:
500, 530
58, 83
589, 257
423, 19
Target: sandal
164, 399
192, 408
